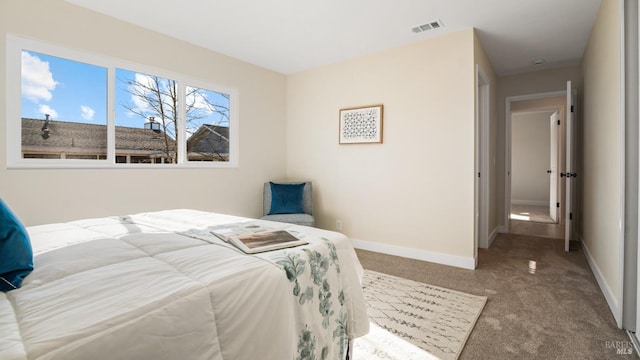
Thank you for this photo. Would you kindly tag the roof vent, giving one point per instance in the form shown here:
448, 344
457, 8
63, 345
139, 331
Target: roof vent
428, 26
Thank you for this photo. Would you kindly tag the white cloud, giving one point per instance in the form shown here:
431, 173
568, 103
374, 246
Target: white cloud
46, 109
199, 100
86, 112
141, 87
37, 79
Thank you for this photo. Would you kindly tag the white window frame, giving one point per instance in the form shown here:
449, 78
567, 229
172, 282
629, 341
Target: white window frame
15, 45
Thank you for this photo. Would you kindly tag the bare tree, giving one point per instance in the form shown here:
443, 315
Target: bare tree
157, 98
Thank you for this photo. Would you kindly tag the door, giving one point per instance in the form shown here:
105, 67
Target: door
569, 174
553, 167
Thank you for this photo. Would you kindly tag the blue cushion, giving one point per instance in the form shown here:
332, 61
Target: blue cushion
286, 198
16, 256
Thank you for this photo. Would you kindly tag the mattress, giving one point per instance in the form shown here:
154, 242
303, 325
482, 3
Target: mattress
159, 285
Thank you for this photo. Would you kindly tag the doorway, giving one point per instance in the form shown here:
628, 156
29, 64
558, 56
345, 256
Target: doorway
482, 238
535, 144
534, 165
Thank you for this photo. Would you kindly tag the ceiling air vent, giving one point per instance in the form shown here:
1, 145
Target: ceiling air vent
428, 26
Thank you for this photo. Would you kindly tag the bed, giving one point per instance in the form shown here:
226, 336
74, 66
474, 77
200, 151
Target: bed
159, 285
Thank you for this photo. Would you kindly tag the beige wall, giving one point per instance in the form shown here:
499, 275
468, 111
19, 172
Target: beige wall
601, 174
40, 196
415, 190
544, 104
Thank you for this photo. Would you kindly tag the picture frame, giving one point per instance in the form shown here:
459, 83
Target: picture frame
361, 125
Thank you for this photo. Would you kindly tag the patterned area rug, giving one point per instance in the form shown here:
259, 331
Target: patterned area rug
412, 320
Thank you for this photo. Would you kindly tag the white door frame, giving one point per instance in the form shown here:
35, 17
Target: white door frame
554, 126
621, 251
569, 167
507, 145
482, 161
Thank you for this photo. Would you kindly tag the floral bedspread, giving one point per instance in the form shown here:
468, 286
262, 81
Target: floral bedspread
314, 274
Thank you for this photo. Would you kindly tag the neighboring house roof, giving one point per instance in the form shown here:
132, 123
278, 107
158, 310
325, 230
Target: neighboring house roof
75, 137
209, 139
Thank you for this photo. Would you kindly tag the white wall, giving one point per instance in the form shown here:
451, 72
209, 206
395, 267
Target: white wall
416, 190
530, 158
41, 196
602, 152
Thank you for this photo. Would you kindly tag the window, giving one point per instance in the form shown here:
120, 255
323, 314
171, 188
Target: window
207, 124
146, 118
71, 109
71, 125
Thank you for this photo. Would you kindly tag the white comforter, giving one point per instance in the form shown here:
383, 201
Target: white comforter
159, 286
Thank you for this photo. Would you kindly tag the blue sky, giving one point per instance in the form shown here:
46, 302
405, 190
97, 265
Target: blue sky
77, 92
67, 90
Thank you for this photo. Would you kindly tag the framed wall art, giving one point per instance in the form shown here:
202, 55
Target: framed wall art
361, 125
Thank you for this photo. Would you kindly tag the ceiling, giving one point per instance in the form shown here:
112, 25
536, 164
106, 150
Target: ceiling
290, 36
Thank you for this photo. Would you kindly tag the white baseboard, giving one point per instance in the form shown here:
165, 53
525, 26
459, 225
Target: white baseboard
502, 229
530, 202
493, 235
612, 301
411, 253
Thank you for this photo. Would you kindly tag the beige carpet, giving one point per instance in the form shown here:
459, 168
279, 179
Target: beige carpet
413, 320
531, 213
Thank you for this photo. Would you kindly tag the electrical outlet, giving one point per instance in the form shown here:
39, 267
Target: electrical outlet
338, 225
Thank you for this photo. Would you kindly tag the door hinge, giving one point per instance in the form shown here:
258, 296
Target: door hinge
557, 205
478, 174
558, 122
570, 216
571, 108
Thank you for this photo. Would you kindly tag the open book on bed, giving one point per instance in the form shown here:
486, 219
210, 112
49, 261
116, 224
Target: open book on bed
254, 238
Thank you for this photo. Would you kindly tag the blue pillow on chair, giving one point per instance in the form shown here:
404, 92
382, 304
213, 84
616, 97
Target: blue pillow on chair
16, 255
286, 198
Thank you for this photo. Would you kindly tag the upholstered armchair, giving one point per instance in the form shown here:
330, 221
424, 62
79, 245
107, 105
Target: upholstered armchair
289, 202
